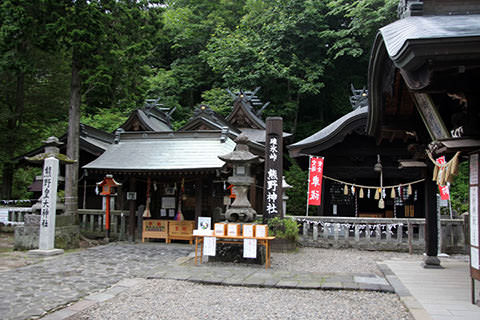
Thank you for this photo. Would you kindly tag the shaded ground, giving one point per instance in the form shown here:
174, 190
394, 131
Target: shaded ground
10, 259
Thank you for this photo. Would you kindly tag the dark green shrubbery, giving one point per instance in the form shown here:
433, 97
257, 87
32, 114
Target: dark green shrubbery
283, 228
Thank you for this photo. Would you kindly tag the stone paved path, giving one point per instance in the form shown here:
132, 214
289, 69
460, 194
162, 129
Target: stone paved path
33, 290
271, 278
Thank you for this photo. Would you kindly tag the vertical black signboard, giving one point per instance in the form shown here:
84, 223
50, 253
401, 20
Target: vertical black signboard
273, 169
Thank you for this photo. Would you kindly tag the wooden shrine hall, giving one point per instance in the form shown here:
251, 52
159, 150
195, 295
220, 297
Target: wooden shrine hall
179, 171
353, 157
423, 81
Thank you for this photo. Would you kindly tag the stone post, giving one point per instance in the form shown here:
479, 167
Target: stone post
48, 209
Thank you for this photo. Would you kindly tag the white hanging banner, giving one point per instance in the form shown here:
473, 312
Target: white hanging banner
250, 248
209, 246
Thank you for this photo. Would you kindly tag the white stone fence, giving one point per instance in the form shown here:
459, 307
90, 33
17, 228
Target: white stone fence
17, 215
377, 233
92, 223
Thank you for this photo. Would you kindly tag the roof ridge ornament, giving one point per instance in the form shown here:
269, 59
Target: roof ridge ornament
408, 8
359, 97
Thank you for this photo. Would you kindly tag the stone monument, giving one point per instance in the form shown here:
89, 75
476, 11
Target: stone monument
48, 201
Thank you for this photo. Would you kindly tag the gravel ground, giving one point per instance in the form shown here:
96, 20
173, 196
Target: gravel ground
331, 260
169, 299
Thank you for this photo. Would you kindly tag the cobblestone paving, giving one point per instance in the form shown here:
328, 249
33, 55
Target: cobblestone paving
31, 291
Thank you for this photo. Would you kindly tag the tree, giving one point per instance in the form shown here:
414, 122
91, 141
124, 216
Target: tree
26, 65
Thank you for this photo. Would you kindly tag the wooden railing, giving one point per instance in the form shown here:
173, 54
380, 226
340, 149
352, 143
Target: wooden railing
378, 233
92, 223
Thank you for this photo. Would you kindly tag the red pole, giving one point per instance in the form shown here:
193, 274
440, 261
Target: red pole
107, 216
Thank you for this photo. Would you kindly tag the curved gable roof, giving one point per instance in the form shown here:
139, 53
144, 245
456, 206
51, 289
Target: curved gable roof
147, 119
332, 134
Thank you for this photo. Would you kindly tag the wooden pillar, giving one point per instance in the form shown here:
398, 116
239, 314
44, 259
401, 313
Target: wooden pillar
132, 204
198, 200
431, 222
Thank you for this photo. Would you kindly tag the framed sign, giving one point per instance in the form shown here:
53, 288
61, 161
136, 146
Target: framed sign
131, 196
474, 218
168, 202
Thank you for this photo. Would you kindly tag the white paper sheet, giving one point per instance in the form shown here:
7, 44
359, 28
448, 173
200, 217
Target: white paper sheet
250, 248
474, 258
209, 246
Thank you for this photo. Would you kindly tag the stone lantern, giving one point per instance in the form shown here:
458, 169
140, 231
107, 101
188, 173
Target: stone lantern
240, 159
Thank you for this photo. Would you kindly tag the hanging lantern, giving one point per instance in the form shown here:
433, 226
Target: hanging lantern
392, 194
345, 190
368, 193
381, 204
377, 194
409, 190
353, 190
360, 194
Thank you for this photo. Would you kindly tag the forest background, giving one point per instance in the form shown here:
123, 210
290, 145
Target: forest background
112, 55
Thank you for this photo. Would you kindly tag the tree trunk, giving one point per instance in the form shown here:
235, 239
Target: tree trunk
297, 109
13, 125
71, 172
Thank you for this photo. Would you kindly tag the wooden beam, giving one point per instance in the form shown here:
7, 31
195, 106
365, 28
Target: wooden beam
430, 116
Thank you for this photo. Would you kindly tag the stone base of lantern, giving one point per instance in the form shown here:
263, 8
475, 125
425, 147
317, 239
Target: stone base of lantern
46, 253
244, 214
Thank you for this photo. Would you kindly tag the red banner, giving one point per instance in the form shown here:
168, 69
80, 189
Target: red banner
315, 176
444, 192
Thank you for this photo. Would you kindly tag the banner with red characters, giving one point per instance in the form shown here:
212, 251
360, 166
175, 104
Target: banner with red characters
444, 192
315, 176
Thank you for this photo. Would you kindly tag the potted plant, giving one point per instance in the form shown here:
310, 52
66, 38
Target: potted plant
285, 231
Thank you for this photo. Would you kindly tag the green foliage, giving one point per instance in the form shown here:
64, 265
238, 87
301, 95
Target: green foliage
22, 178
219, 100
303, 53
283, 228
459, 190
297, 195
107, 119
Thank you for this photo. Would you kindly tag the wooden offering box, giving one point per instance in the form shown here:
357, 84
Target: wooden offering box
180, 230
220, 229
155, 229
261, 231
248, 230
233, 229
